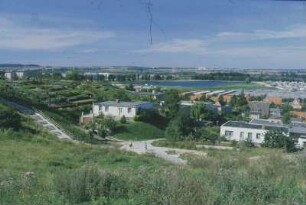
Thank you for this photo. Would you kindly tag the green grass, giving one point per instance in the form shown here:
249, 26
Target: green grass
35, 168
66, 173
46, 158
139, 131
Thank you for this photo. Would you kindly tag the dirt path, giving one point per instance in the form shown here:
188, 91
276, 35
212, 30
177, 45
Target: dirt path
39, 118
172, 155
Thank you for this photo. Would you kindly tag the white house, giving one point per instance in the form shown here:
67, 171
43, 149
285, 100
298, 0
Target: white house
118, 109
20, 74
241, 131
256, 129
14, 75
296, 104
10, 75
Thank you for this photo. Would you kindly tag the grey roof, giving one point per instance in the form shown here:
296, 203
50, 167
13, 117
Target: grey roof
243, 124
298, 130
266, 123
121, 104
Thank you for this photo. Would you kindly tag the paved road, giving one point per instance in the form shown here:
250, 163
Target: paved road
39, 118
172, 155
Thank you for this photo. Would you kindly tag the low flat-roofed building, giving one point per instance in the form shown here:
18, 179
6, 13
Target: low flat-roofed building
242, 131
119, 109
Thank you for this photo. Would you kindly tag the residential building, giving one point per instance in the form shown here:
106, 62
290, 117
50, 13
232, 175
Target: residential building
198, 95
275, 113
10, 75
14, 75
256, 129
186, 106
298, 131
223, 108
273, 100
119, 109
19, 74
299, 114
153, 95
242, 131
259, 109
296, 104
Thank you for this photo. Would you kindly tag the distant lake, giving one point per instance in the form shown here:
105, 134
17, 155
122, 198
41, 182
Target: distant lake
187, 83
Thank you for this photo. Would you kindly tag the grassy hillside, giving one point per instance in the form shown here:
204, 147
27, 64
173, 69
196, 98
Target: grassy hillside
30, 164
35, 168
40, 170
139, 131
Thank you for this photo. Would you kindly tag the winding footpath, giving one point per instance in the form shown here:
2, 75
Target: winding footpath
172, 155
47, 123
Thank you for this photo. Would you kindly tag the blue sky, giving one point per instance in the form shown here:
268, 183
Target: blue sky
200, 33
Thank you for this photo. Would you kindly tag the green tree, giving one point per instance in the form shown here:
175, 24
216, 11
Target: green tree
221, 100
286, 118
208, 133
180, 127
9, 118
171, 105
277, 139
123, 120
130, 87
72, 75
197, 111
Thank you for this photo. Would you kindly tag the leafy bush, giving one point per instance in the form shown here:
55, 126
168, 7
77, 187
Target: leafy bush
151, 116
180, 127
123, 120
89, 183
277, 139
210, 134
9, 118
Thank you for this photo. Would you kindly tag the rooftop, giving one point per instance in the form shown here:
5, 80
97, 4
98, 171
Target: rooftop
266, 123
121, 104
243, 124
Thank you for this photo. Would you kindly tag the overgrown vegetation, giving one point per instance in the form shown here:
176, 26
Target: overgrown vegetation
54, 172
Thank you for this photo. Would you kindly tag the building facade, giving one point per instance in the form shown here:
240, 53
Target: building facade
119, 109
256, 129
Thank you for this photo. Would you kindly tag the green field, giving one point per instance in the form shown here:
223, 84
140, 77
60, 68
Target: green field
139, 131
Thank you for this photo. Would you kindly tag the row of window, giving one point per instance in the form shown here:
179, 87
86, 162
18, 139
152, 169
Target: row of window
250, 135
129, 110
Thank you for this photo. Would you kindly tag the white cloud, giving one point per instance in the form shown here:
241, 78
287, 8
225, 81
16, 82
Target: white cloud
298, 31
233, 44
177, 46
89, 50
21, 37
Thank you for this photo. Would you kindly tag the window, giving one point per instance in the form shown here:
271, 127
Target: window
250, 135
106, 108
120, 110
241, 135
258, 136
228, 133
129, 110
